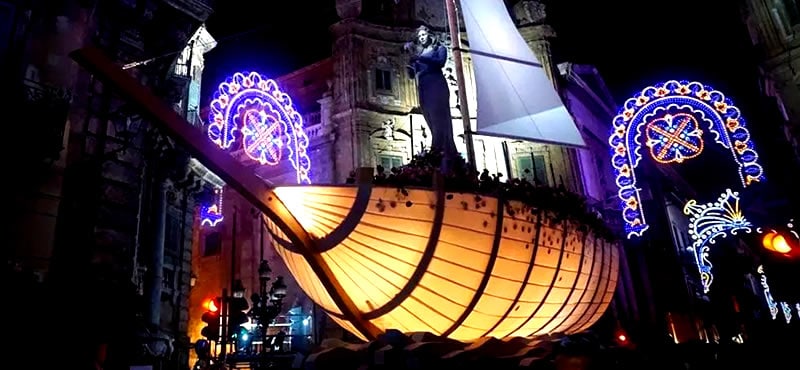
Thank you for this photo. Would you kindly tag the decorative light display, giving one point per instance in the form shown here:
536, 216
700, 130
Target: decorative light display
674, 138
709, 221
211, 214
270, 126
723, 217
501, 270
672, 115
773, 306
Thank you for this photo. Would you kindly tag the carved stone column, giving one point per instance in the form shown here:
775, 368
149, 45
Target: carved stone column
156, 275
530, 18
347, 9
326, 106
326, 170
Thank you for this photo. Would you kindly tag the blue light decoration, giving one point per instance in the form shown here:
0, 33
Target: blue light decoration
709, 221
211, 214
264, 115
674, 138
672, 115
720, 219
772, 304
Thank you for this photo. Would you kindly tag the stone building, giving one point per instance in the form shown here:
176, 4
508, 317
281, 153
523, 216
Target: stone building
360, 110
106, 206
774, 27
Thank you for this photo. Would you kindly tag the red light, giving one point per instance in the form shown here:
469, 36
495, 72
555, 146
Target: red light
211, 305
621, 337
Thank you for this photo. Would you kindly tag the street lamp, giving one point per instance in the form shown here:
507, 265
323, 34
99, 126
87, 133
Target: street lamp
238, 289
263, 273
278, 289
259, 301
267, 304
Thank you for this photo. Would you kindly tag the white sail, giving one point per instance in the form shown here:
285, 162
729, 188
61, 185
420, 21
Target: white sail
515, 97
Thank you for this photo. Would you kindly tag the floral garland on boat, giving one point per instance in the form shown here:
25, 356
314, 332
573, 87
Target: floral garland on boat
460, 177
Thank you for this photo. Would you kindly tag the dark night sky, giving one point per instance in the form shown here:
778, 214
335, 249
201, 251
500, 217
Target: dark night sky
633, 44
273, 38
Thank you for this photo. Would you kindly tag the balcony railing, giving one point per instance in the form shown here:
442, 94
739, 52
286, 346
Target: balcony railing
314, 131
311, 119
48, 107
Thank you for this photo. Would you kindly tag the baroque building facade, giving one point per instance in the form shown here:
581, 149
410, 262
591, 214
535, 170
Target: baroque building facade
360, 109
106, 207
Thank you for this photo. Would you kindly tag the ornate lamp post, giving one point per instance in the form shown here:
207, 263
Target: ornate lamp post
259, 303
267, 304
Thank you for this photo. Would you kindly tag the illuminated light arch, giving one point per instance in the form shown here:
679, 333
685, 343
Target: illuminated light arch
709, 221
772, 304
211, 214
672, 115
264, 115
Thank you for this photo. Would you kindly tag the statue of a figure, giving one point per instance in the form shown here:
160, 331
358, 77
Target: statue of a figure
529, 12
388, 129
428, 57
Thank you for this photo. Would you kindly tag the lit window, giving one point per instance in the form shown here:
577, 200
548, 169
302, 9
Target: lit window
785, 15
536, 168
390, 161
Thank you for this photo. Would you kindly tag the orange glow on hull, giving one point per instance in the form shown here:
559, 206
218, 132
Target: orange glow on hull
447, 264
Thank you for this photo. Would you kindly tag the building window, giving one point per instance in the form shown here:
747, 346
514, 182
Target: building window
388, 161
785, 16
212, 245
536, 167
168, 279
383, 79
792, 12
172, 236
383, 9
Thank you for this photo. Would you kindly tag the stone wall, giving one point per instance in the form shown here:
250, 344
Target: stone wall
96, 207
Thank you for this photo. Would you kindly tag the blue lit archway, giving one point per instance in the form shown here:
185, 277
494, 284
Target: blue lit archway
254, 106
669, 118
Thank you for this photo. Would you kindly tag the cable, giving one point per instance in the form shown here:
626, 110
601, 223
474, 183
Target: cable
215, 42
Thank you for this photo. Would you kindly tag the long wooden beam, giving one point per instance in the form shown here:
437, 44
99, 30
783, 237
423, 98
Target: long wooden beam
256, 190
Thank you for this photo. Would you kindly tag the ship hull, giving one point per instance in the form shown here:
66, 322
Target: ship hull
457, 265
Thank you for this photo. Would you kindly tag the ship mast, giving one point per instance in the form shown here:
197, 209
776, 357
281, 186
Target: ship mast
455, 42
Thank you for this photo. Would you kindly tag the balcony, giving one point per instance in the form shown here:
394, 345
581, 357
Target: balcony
311, 119
312, 123
48, 107
198, 9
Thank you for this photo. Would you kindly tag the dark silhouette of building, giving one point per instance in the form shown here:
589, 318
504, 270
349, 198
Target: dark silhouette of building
103, 205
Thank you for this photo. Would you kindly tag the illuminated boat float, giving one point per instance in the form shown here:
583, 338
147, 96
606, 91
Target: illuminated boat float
375, 258
457, 265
